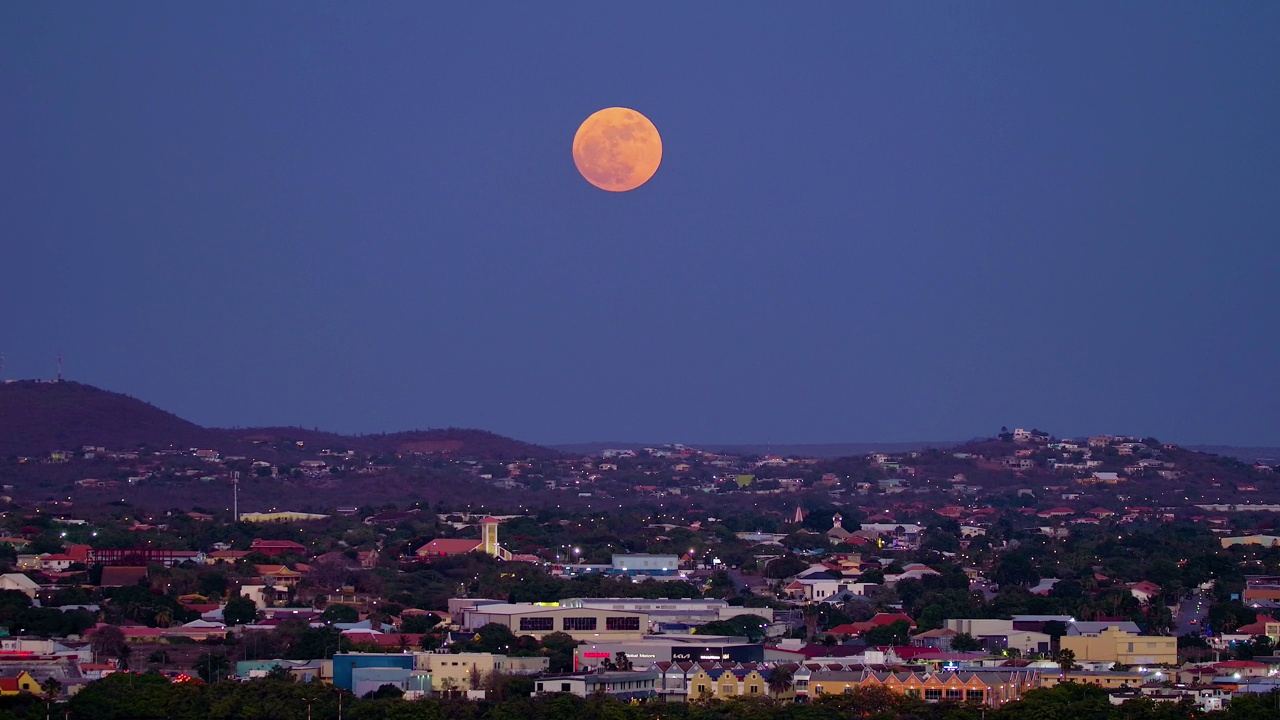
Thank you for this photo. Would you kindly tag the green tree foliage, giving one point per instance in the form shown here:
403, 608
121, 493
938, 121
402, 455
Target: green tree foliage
785, 567
752, 627
150, 696
898, 633
340, 613
559, 649
212, 667
964, 642
239, 610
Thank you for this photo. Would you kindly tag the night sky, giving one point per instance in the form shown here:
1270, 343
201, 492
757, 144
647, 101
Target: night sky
872, 222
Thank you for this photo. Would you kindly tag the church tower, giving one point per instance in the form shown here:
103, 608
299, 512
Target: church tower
489, 535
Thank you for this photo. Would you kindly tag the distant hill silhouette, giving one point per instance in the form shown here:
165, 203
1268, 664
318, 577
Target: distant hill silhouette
40, 417
809, 450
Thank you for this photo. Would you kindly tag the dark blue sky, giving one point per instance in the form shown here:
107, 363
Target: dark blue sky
873, 221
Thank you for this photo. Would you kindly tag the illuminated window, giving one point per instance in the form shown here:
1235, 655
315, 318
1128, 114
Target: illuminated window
536, 624
622, 623
579, 623
933, 694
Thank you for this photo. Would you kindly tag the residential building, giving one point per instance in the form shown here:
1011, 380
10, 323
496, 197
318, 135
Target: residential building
623, 685
19, 582
1261, 587
1108, 679
991, 688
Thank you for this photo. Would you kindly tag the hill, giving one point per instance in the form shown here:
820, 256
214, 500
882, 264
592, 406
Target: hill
40, 417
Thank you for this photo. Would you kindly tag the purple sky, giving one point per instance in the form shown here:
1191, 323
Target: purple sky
873, 221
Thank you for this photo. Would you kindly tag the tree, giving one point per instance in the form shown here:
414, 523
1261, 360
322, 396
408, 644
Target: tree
339, 613
1015, 568
51, 687
964, 642
239, 610
418, 624
781, 680
122, 657
784, 567
212, 667
559, 647
746, 625
385, 692
107, 642
1066, 660
899, 633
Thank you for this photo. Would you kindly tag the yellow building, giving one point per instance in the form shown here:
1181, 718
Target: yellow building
725, 683
282, 516
1109, 680
1124, 648
464, 671
992, 688
22, 682
1264, 540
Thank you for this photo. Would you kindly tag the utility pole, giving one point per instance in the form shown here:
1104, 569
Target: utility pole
235, 496
59, 369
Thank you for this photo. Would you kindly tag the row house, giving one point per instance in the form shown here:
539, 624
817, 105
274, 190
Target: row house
683, 681
991, 687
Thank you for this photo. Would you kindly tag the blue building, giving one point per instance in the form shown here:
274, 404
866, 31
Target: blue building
345, 663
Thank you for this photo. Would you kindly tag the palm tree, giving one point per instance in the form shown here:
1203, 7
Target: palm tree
1066, 660
811, 615
164, 618
781, 680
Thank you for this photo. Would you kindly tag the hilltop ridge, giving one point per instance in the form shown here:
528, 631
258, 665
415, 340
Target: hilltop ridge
40, 417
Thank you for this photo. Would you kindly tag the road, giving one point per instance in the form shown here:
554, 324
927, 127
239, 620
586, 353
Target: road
1191, 612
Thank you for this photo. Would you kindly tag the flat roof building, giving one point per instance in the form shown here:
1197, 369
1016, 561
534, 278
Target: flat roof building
580, 622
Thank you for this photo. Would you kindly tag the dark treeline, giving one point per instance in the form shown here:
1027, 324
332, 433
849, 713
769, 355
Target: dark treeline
129, 696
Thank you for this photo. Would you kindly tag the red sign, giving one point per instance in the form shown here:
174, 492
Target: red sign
595, 655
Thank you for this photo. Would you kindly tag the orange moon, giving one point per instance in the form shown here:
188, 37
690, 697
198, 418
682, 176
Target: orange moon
617, 149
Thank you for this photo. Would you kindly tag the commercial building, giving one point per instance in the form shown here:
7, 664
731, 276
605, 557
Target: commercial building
1124, 648
365, 680
538, 620
670, 648
672, 612
999, 635
346, 665
463, 671
646, 564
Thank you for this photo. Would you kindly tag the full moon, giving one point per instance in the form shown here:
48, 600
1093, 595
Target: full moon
617, 149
